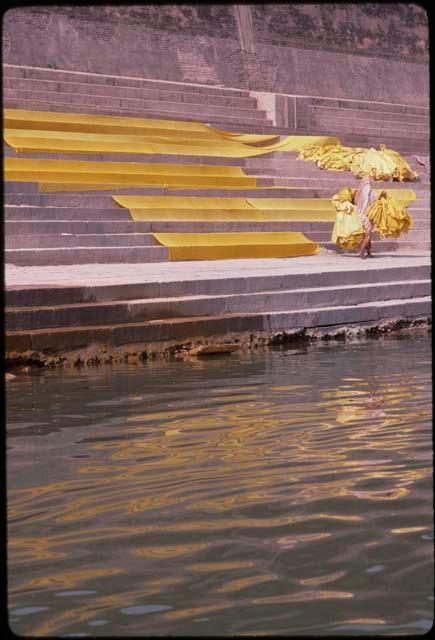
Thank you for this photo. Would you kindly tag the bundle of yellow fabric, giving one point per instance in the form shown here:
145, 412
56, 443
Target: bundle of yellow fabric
382, 164
347, 232
390, 218
388, 214
332, 157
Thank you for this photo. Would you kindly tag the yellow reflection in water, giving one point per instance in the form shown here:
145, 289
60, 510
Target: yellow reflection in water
248, 452
409, 530
196, 611
219, 566
169, 551
364, 621
304, 596
244, 583
70, 579
291, 541
315, 582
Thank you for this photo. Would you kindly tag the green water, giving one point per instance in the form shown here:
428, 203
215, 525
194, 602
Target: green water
286, 492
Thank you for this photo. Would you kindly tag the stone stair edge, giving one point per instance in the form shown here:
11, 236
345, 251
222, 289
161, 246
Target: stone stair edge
153, 331
71, 72
242, 294
238, 283
158, 104
109, 87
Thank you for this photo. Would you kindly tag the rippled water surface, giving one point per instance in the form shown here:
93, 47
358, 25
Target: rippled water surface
286, 492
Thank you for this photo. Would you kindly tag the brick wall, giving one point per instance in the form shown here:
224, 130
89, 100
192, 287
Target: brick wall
359, 51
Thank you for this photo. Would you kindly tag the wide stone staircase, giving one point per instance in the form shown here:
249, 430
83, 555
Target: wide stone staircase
73, 227
175, 310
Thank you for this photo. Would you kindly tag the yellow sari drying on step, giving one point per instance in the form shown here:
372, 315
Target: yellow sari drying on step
384, 164
332, 157
389, 216
348, 232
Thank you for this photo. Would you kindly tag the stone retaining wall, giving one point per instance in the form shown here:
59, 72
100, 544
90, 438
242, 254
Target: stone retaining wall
365, 51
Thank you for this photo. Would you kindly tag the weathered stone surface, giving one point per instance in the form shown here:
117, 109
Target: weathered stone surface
296, 49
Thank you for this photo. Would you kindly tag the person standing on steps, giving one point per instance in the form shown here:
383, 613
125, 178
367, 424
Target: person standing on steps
363, 198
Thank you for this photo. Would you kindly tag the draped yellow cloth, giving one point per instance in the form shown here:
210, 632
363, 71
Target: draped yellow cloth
347, 232
67, 141
390, 218
78, 175
88, 167
87, 133
181, 202
227, 246
154, 208
93, 123
382, 164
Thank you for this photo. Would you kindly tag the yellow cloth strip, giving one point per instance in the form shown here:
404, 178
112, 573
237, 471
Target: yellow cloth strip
135, 180
61, 141
46, 120
65, 187
25, 119
227, 246
154, 208
228, 215
180, 202
247, 138
198, 202
168, 182
31, 164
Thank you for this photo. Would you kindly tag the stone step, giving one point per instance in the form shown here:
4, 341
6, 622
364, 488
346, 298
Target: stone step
274, 161
41, 214
101, 199
334, 182
400, 246
370, 125
44, 241
309, 169
80, 227
148, 309
163, 106
113, 91
403, 144
370, 106
85, 255
128, 157
40, 228
64, 241
372, 132
55, 227
168, 111
414, 235
66, 339
266, 186
192, 283
15, 202
63, 75
366, 114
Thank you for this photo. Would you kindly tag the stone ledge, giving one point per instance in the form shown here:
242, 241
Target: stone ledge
134, 353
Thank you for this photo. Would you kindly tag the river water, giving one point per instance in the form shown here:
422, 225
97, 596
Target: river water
279, 492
